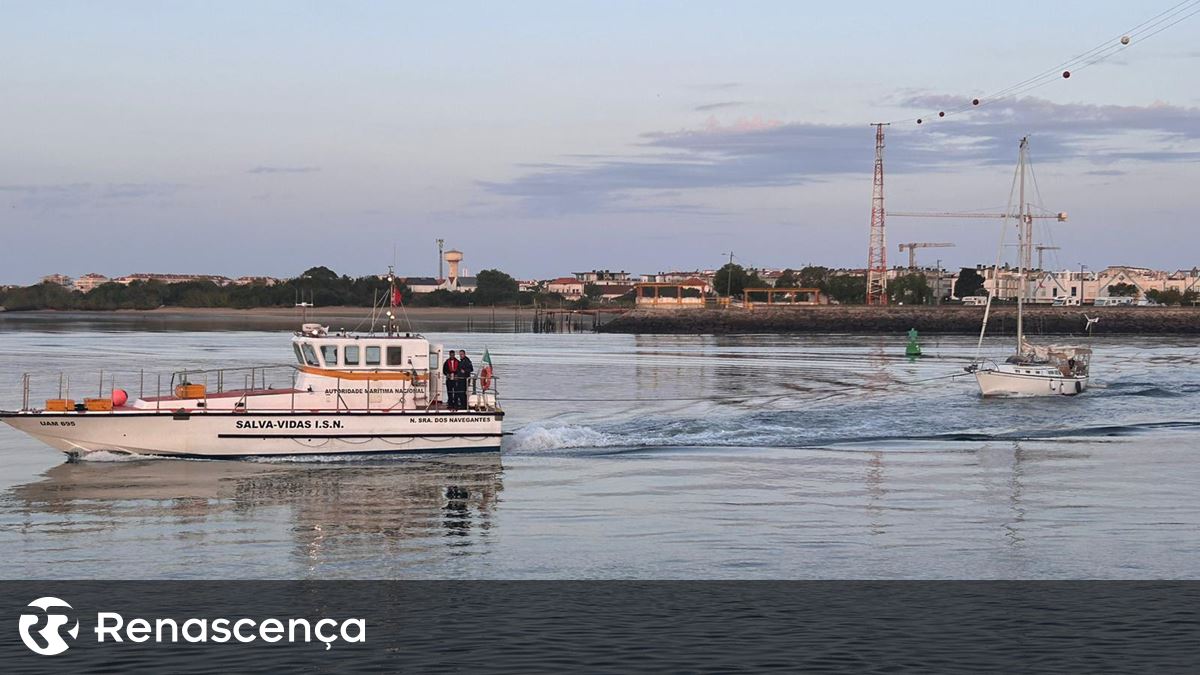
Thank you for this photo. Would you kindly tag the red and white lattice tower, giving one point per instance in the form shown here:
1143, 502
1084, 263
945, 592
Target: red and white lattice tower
877, 256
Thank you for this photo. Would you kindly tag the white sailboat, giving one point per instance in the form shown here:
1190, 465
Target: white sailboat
1034, 370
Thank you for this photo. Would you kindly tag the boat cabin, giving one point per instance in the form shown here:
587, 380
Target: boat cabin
316, 349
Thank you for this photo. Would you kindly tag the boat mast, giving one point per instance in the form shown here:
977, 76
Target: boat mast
1023, 237
391, 318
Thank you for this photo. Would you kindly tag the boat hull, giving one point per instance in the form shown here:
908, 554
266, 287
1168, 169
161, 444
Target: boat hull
1001, 383
235, 435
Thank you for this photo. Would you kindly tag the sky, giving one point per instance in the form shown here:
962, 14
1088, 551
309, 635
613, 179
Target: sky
544, 138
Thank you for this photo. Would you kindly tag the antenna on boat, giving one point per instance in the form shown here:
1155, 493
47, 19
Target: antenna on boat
391, 318
303, 305
396, 300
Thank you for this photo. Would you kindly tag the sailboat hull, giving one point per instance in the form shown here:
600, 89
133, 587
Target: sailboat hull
1011, 382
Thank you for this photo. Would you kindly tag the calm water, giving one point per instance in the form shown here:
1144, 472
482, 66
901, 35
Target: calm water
646, 457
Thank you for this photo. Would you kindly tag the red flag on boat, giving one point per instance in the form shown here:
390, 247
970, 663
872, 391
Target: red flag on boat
395, 297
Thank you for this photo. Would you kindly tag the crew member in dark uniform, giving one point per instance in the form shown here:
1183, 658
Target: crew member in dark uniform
450, 372
465, 370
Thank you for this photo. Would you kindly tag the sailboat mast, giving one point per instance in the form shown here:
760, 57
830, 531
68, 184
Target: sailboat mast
1023, 244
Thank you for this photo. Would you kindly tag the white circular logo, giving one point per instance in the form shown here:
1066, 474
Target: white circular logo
51, 634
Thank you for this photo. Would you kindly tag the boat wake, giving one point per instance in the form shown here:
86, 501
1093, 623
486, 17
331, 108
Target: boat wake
746, 433
1148, 389
106, 456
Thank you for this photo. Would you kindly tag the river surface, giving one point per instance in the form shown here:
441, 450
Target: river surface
643, 457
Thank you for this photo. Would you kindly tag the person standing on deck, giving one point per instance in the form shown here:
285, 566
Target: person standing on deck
465, 370
450, 374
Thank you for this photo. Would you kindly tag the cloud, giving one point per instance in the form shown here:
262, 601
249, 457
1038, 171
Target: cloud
719, 105
74, 195
284, 169
771, 153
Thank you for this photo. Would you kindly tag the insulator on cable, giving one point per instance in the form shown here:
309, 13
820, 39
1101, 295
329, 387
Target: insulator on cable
1066, 74
974, 101
942, 114
1124, 39
919, 120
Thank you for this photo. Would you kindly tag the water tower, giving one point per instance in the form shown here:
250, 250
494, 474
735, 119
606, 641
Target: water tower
453, 257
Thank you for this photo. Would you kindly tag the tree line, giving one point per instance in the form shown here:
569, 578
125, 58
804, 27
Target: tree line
319, 285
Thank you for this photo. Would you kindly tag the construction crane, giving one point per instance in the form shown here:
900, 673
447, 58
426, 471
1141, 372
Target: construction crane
1028, 219
912, 250
1041, 248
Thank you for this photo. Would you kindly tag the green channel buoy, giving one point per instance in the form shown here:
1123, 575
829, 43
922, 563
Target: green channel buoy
912, 348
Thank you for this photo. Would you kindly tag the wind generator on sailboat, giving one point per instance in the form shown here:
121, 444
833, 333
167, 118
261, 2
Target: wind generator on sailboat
1034, 370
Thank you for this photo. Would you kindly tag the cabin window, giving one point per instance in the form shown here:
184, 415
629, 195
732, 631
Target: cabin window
329, 353
373, 355
350, 355
310, 355
299, 356
395, 356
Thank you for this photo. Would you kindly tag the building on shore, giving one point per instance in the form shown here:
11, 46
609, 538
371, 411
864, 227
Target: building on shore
173, 278
691, 292
611, 292
90, 281
604, 278
568, 287
458, 281
1085, 286
421, 285
251, 281
60, 279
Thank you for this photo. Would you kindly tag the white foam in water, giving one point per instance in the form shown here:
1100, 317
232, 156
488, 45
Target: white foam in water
535, 437
106, 456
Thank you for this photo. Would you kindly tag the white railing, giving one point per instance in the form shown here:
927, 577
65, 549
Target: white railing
260, 379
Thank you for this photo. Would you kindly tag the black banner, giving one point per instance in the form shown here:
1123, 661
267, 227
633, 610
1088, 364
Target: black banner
602, 626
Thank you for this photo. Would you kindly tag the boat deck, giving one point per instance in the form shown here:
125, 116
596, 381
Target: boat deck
233, 393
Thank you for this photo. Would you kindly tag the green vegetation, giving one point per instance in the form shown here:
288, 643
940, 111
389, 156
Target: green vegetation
493, 287
910, 289
1172, 296
969, 283
1123, 290
732, 279
846, 289
319, 285
787, 279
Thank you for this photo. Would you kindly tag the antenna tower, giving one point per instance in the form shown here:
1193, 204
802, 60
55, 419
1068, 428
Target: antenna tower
877, 255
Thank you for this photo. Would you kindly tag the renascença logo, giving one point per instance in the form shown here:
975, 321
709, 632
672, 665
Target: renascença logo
113, 627
50, 633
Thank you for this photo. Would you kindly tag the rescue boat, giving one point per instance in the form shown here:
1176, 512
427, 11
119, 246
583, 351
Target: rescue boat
346, 393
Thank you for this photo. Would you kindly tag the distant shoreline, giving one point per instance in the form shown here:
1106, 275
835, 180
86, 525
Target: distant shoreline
270, 318
853, 319
953, 319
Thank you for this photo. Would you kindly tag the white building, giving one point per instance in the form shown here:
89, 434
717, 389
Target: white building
90, 281
60, 279
173, 278
604, 278
565, 286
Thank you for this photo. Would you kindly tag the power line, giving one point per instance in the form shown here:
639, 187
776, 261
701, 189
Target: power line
1140, 33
